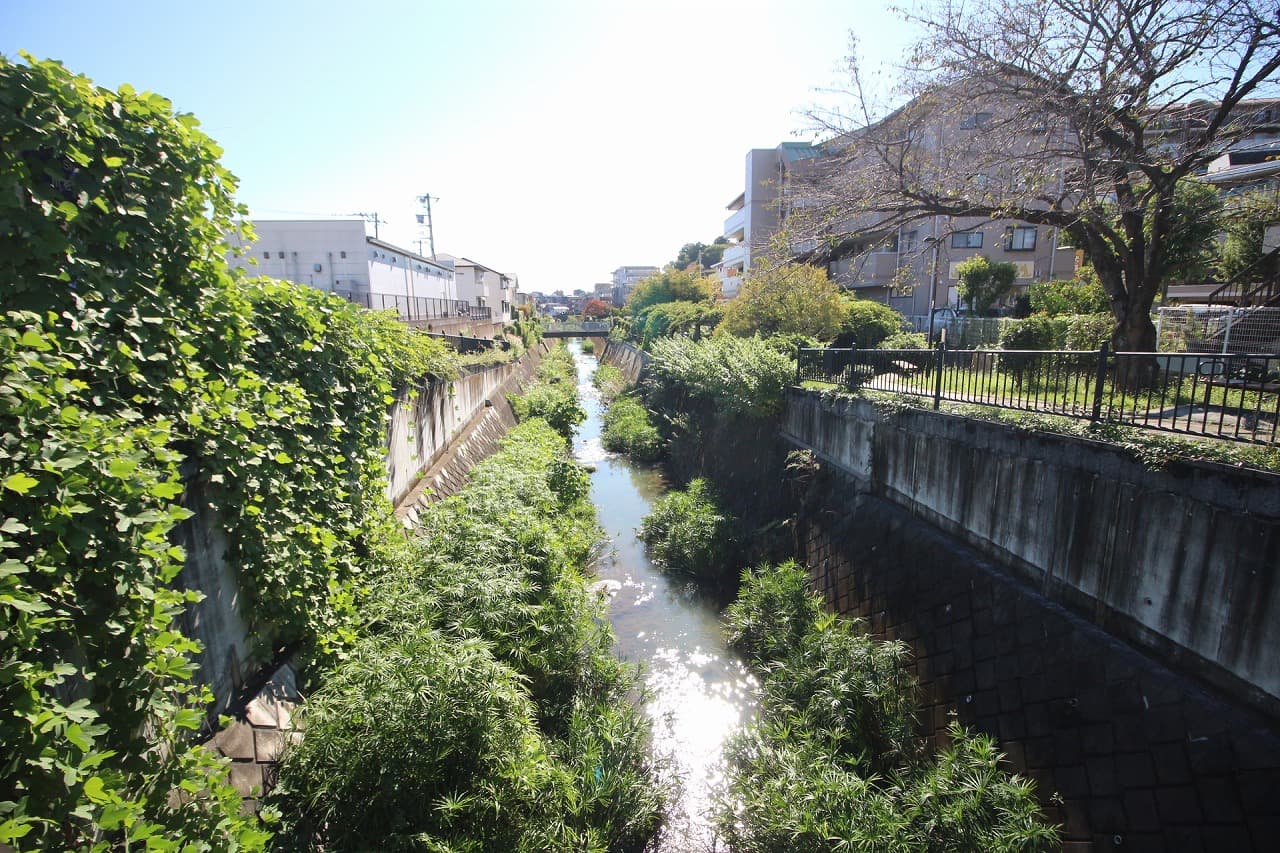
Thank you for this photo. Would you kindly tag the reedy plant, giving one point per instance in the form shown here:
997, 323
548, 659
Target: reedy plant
553, 753
687, 532
834, 761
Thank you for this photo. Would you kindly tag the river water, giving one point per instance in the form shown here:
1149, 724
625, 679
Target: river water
699, 690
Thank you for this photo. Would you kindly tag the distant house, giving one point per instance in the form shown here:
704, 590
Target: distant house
482, 285
625, 279
756, 213
338, 256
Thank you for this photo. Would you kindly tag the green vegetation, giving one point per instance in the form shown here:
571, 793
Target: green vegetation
668, 286
609, 381
133, 368
782, 298
554, 396
866, 324
629, 429
740, 376
1081, 295
982, 283
588, 346
688, 533
482, 708
835, 761
666, 319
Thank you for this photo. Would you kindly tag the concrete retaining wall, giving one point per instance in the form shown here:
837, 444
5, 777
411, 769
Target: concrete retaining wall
426, 420
436, 432
1182, 562
631, 360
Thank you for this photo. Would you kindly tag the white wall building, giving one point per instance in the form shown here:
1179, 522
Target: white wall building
338, 256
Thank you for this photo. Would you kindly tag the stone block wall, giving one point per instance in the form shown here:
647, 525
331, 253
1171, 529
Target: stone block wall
1143, 757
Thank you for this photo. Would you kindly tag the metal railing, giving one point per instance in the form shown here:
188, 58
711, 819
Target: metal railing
1218, 328
419, 307
1231, 396
573, 327
463, 344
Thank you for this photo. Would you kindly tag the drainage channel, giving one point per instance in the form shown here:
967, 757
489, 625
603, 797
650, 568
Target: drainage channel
699, 690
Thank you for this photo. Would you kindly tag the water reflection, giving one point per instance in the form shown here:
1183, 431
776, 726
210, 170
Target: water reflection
699, 690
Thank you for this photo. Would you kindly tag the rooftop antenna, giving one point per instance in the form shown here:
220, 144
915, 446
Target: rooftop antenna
424, 224
371, 217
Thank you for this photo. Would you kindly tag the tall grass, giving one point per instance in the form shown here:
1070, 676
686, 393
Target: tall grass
687, 532
554, 394
629, 429
482, 707
835, 760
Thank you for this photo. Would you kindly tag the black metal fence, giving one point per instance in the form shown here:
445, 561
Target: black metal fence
1234, 396
463, 344
419, 307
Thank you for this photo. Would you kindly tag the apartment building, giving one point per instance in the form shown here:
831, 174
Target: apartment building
625, 280
757, 213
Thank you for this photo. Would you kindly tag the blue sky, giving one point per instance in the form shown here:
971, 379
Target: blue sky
563, 138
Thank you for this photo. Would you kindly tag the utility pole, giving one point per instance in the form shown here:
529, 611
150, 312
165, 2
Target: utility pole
371, 217
424, 219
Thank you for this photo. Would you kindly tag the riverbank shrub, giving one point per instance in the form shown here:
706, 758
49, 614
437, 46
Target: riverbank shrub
609, 381
553, 397
483, 707
738, 376
687, 532
629, 429
835, 760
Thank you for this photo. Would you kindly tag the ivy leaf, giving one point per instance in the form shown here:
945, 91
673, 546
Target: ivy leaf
24, 604
20, 483
112, 162
95, 790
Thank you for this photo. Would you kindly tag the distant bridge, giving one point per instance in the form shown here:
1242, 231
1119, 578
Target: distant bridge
577, 329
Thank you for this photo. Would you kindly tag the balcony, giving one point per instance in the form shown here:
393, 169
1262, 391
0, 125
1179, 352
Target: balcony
735, 226
734, 256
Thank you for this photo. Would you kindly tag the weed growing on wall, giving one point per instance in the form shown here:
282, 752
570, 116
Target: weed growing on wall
482, 708
834, 761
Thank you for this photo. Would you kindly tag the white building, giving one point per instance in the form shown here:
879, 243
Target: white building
625, 280
336, 255
483, 286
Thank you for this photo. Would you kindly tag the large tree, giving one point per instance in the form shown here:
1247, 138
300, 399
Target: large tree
1079, 115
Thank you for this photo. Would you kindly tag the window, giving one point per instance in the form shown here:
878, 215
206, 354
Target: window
342, 254
967, 240
1020, 239
976, 120
281, 255
907, 242
266, 255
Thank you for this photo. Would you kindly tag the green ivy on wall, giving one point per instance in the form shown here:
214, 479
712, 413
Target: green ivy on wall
128, 350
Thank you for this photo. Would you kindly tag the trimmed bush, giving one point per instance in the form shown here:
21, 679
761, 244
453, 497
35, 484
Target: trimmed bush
867, 323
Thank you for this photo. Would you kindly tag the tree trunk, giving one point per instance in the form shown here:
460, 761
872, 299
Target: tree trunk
1134, 333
